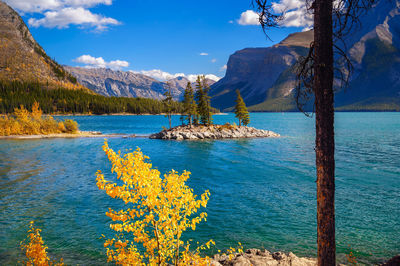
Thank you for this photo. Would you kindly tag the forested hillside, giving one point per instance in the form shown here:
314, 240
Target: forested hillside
13, 94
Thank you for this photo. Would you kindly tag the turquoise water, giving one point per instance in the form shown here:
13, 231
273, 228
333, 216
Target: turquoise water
263, 191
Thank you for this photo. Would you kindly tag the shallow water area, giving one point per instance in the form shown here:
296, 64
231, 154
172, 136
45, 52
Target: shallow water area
263, 191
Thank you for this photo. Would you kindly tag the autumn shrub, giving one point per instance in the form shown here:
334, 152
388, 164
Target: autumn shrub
35, 250
226, 126
159, 210
23, 122
71, 126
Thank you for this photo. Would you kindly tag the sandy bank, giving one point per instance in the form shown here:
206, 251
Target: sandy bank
79, 134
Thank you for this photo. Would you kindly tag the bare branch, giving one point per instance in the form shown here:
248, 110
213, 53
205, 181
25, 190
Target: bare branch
268, 18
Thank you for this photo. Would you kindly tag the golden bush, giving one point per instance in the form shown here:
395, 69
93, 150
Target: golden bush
71, 126
23, 122
159, 210
35, 250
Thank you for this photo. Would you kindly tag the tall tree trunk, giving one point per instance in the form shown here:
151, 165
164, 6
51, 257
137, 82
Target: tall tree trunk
324, 141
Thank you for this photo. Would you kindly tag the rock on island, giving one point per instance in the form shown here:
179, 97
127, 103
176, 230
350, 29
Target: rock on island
226, 131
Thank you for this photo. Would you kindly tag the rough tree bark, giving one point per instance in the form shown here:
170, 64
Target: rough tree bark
324, 141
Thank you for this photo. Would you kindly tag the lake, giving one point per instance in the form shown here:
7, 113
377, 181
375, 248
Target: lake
263, 191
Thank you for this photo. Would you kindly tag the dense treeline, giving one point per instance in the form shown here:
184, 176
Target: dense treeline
13, 94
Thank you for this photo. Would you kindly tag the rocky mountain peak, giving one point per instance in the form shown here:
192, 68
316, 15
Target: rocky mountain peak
301, 39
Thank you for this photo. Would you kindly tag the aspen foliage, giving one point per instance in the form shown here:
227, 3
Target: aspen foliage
159, 210
23, 122
35, 249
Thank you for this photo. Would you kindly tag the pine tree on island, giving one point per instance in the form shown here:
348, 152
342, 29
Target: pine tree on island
168, 104
203, 101
189, 104
241, 110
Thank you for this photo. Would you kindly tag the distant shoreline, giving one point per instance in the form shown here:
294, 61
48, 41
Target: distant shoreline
80, 134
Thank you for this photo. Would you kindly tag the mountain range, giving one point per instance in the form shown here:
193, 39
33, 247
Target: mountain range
266, 77
109, 82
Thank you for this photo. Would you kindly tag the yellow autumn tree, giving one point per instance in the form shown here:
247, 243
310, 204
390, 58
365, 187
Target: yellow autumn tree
35, 250
36, 111
23, 122
21, 114
159, 210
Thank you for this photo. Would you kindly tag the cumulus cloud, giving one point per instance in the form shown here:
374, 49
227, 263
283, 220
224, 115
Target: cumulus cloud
248, 17
203, 54
76, 16
163, 76
193, 77
213, 60
98, 62
223, 68
63, 13
295, 14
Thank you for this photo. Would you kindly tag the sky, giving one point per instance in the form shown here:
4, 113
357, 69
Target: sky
159, 38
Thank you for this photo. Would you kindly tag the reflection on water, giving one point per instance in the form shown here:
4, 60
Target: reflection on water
262, 190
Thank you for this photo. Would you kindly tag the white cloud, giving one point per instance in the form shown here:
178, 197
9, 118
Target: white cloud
213, 60
76, 16
223, 68
159, 74
98, 62
249, 17
193, 77
295, 14
230, 21
63, 13
203, 54
163, 76
39, 6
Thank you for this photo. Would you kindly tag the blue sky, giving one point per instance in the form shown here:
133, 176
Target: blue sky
190, 37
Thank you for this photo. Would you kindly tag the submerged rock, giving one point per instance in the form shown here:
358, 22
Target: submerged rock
213, 132
257, 257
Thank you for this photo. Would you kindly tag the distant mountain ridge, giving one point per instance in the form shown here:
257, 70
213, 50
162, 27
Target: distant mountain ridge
265, 76
118, 83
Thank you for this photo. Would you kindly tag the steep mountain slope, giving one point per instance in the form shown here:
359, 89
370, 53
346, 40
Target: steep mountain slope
23, 59
375, 50
255, 72
375, 84
109, 82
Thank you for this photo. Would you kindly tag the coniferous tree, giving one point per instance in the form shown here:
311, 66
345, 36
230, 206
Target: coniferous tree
207, 100
189, 104
168, 103
241, 110
203, 101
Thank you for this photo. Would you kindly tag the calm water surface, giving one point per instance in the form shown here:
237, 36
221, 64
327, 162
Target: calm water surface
263, 191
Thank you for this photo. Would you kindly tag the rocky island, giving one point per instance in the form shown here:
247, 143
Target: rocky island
226, 131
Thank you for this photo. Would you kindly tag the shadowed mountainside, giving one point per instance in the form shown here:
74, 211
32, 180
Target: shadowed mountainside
265, 76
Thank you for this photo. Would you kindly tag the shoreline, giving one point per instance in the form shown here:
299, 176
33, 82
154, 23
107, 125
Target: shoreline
261, 257
79, 134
